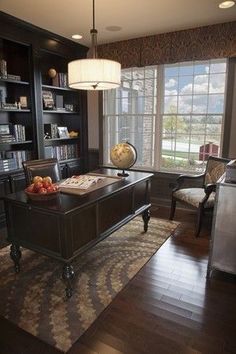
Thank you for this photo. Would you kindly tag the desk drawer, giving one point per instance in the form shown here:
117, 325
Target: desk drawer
114, 209
35, 230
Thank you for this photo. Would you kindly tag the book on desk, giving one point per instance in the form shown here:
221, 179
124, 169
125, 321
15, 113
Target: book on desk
87, 183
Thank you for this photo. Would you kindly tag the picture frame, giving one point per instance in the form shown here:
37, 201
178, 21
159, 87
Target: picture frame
4, 129
23, 102
48, 102
63, 132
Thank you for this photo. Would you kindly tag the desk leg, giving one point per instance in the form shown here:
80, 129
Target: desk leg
146, 218
15, 254
68, 275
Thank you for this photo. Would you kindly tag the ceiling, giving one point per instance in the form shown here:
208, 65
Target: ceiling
136, 18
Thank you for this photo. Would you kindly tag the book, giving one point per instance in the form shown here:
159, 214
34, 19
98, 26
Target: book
81, 182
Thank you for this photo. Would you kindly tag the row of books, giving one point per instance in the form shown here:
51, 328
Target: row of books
62, 152
12, 160
60, 80
18, 134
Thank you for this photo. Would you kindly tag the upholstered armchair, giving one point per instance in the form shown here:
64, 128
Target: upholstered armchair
44, 167
200, 196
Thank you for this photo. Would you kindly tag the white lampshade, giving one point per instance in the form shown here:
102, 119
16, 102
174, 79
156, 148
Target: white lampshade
94, 74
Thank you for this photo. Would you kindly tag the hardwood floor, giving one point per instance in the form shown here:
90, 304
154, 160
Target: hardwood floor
169, 307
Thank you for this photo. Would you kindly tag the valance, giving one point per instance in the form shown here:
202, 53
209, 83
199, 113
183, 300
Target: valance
202, 43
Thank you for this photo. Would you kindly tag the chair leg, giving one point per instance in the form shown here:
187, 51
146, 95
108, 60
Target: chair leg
199, 220
172, 209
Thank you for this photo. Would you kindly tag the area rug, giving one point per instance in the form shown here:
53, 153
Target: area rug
35, 299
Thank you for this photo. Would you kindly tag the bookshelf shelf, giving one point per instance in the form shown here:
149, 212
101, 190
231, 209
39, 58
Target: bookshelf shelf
69, 160
16, 143
10, 81
16, 110
48, 141
51, 87
58, 112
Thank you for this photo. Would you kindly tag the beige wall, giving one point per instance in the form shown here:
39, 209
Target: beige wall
93, 127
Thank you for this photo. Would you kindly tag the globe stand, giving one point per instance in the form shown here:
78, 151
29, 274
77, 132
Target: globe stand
123, 174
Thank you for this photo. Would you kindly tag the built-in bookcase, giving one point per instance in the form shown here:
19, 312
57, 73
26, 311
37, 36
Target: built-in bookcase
61, 109
16, 117
26, 55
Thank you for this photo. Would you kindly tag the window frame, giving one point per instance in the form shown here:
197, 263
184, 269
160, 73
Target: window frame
160, 89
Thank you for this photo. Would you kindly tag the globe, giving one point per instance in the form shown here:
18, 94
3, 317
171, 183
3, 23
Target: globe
123, 156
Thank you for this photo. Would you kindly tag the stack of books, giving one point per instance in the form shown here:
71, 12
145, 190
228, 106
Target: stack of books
7, 138
8, 164
12, 160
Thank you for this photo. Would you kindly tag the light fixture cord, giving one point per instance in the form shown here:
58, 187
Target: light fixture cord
93, 33
93, 14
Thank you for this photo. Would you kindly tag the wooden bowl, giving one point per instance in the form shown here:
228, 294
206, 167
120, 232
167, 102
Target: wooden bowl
42, 197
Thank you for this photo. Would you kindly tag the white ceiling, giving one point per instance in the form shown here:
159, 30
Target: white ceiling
136, 18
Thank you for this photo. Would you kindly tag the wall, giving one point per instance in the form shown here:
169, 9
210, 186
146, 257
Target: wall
93, 133
232, 139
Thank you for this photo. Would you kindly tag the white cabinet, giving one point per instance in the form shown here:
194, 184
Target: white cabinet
223, 236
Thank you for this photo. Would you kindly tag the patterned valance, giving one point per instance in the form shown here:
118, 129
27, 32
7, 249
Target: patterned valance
208, 42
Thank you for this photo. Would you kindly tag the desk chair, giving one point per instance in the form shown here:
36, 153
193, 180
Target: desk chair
46, 167
199, 198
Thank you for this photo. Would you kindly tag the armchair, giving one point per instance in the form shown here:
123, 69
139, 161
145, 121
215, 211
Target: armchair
201, 197
45, 167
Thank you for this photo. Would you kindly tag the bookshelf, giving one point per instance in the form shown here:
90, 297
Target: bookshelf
26, 55
16, 119
61, 112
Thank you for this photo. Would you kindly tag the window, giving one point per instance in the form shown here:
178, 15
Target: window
173, 114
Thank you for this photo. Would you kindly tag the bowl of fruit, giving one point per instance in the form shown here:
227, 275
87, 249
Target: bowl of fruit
42, 188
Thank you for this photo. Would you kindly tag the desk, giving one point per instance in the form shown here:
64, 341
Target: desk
66, 226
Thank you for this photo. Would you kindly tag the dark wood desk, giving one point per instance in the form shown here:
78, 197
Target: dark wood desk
68, 225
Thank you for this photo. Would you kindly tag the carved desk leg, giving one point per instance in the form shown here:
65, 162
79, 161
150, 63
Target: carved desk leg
68, 275
146, 218
15, 254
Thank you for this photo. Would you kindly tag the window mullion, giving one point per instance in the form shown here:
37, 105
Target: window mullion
158, 117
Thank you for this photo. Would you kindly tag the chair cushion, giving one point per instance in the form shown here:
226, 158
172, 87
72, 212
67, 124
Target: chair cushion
194, 196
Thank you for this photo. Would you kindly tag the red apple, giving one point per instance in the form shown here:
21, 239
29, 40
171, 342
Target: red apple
30, 188
37, 186
46, 183
50, 189
42, 191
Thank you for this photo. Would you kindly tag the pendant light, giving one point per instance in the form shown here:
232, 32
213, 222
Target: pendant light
94, 73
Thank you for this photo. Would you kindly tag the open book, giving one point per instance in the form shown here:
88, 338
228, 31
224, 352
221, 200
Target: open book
81, 182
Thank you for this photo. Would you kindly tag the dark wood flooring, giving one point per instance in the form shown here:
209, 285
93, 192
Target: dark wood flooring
169, 307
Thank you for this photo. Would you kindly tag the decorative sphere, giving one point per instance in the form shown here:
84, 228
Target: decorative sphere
123, 155
52, 73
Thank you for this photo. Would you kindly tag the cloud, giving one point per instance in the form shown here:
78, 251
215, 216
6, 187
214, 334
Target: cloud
170, 83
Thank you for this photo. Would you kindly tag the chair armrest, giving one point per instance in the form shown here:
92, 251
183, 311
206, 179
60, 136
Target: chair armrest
209, 188
182, 178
